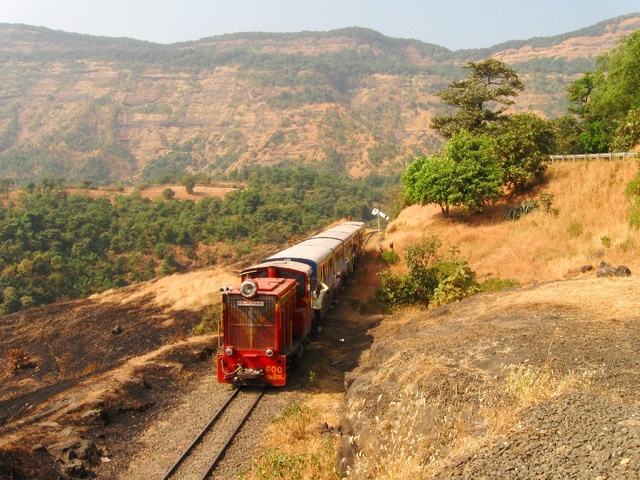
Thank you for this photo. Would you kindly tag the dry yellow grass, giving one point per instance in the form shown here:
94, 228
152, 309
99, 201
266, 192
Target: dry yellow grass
589, 204
191, 291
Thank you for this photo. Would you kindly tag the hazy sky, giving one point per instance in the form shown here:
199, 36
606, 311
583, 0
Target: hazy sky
453, 24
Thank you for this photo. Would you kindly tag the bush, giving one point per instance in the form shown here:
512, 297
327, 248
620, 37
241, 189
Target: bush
209, 322
18, 360
575, 229
389, 257
524, 208
431, 278
456, 286
546, 201
495, 284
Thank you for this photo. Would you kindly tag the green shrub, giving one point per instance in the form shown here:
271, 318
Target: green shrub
389, 257
431, 277
168, 194
495, 284
546, 201
523, 208
575, 229
627, 245
634, 215
209, 321
457, 285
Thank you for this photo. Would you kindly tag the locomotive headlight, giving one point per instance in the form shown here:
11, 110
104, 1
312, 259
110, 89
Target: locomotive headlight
228, 351
249, 289
269, 352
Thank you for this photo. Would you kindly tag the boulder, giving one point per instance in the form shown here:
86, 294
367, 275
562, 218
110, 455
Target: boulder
605, 270
623, 271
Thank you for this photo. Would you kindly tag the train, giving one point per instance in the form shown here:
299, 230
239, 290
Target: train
266, 320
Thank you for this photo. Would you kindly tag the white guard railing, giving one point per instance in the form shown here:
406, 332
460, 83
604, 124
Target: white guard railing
594, 156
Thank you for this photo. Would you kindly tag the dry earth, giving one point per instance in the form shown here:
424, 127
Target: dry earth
535, 382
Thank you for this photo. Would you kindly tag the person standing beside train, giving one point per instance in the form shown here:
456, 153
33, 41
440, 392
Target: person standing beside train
317, 300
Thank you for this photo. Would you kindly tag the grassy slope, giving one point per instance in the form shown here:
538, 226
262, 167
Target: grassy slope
589, 204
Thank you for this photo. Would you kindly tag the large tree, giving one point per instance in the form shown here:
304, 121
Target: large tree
608, 99
480, 100
523, 145
467, 174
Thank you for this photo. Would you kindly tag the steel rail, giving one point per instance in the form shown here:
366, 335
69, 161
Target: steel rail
187, 451
227, 441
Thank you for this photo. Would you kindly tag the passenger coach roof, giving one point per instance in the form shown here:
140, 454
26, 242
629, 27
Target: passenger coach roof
342, 232
302, 252
285, 264
323, 241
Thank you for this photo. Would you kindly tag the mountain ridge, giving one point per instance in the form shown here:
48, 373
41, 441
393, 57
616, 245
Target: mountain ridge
115, 110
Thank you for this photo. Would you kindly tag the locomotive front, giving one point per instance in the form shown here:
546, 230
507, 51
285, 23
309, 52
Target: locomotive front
257, 321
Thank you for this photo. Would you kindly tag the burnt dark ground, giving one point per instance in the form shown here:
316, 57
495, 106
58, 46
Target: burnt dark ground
71, 345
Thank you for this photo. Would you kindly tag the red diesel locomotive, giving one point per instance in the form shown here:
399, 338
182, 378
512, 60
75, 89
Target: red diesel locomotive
267, 319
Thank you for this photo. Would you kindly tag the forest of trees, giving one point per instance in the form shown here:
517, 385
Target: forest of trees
55, 245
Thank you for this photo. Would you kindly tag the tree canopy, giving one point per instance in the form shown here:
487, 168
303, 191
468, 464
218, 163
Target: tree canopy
607, 101
481, 99
55, 245
524, 143
467, 174
489, 153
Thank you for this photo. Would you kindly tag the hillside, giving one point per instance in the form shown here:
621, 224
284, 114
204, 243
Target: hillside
565, 333
589, 223
112, 111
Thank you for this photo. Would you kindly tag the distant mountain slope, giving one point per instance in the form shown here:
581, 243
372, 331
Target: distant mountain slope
112, 110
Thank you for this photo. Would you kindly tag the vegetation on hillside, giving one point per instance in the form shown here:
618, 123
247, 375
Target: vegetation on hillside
607, 100
103, 110
55, 245
489, 153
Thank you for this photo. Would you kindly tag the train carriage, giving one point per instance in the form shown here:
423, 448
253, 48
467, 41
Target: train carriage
266, 321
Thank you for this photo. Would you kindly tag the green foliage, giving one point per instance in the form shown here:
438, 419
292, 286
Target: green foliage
467, 175
523, 145
628, 244
491, 83
389, 257
489, 153
457, 283
627, 133
168, 194
381, 152
55, 245
306, 96
209, 321
10, 301
495, 284
523, 208
575, 229
632, 192
606, 99
546, 201
432, 278
168, 167
189, 183
275, 464
606, 241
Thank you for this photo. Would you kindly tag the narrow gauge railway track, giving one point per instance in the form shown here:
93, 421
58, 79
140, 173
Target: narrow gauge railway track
199, 459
